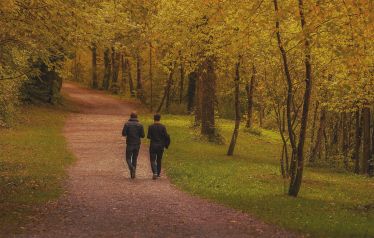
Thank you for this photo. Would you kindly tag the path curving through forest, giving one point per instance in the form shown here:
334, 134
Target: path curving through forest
101, 200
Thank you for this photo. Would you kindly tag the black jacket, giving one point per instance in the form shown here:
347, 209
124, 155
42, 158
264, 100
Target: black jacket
158, 135
133, 130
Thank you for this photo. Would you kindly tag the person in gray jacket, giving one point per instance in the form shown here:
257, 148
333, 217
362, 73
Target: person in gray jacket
133, 131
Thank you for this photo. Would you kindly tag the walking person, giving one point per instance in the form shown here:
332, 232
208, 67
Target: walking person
160, 140
133, 131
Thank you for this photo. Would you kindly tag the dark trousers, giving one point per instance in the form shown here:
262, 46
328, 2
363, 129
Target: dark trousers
156, 157
132, 152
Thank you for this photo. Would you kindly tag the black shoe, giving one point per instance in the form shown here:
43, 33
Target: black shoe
154, 177
132, 172
158, 175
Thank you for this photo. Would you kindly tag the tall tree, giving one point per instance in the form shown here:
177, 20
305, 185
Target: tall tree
250, 88
208, 97
95, 83
139, 79
191, 91
107, 69
366, 140
237, 110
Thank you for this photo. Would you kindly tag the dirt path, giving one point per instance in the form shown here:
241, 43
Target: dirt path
101, 201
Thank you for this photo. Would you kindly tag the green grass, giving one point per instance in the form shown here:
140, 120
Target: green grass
330, 204
32, 161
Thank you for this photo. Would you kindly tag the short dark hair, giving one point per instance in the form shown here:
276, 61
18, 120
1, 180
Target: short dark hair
157, 117
133, 115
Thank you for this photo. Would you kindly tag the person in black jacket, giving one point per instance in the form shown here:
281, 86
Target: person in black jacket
159, 140
133, 131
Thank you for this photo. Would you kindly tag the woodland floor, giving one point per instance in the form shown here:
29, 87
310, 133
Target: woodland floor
101, 200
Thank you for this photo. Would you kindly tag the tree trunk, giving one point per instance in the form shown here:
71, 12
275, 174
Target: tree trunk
151, 75
107, 69
235, 133
139, 84
344, 142
358, 134
124, 73
208, 87
312, 137
261, 115
95, 84
191, 91
166, 91
250, 87
115, 71
167, 104
289, 119
297, 179
199, 92
131, 83
316, 149
289, 82
371, 163
366, 142
181, 83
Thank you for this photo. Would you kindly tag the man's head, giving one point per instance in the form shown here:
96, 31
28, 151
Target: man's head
133, 115
157, 117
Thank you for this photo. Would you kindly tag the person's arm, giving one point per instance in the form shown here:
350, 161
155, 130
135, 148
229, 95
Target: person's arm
142, 134
167, 138
166, 133
149, 133
124, 130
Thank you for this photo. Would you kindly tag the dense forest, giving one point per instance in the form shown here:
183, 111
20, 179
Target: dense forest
302, 67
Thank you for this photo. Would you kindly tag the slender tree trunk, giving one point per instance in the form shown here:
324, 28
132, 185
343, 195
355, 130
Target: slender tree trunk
261, 115
312, 137
289, 82
358, 134
181, 83
316, 149
139, 83
199, 92
131, 82
124, 73
344, 144
151, 74
284, 120
167, 104
292, 139
76, 67
166, 91
107, 69
191, 91
250, 87
235, 133
95, 84
366, 136
208, 87
115, 71
296, 181
371, 164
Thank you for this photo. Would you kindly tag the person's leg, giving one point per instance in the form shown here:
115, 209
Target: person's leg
128, 158
152, 159
159, 159
135, 154
134, 151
